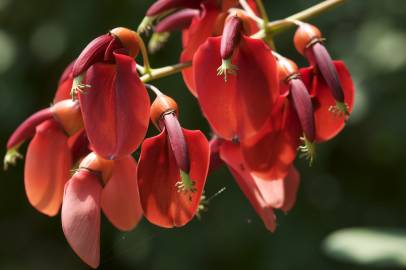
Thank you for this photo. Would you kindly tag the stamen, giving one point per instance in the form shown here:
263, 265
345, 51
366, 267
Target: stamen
11, 157
146, 24
226, 68
157, 41
341, 110
186, 185
78, 86
308, 150
204, 203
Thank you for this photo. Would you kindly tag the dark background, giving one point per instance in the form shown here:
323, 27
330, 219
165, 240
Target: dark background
358, 179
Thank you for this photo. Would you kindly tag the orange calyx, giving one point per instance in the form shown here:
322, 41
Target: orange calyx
305, 35
287, 69
67, 113
128, 38
96, 164
162, 105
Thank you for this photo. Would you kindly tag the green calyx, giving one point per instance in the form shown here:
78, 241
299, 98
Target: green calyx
341, 109
226, 68
78, 86
308, 150
157, 41
186, 185
11, 157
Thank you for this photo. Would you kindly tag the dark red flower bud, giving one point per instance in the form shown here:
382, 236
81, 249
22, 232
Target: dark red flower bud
215, 160
27, 129
79, 145
65, 84
177, 21
161, 6
231, 36
93, 53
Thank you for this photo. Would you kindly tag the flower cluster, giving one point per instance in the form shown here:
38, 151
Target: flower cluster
263, 111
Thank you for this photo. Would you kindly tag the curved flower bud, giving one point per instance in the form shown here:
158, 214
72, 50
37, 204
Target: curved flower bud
161, 6
79, 146
241, 106
117, 97
301, 101
47, 168
264, 194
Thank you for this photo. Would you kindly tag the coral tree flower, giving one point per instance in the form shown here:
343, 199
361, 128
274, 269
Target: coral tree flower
329, 81
99, 184
111, 94
49, 156
209, 23
172, 168
241, 105
65, 84
264, 194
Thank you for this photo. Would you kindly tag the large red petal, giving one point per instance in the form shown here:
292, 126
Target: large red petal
115, 108
217, 98
200, 29
158, 174
120, 198
47, 168
270, 153
328, 124
81, 216
231, 155
291, 186
256, 86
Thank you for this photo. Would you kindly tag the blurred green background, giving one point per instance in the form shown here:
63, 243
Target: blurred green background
357, 181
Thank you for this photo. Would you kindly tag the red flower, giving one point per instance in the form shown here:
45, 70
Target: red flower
264, 194
49, 156
242, 105
327, 122
111, 94
99, 184
172, 168
65, 84
329, 81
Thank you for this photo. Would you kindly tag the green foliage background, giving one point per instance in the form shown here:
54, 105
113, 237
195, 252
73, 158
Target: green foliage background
358, 179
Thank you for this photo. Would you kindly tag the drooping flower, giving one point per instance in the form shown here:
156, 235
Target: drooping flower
99, 184
49, 156
240, 106
264, 194
111, 94
172, 168
329, 81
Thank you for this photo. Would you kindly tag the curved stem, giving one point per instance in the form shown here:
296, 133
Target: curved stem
164, 71
144, 52
262, 11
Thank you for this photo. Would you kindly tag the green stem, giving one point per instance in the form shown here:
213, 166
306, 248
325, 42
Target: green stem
164, 71
304, 15
262, 11
144, 52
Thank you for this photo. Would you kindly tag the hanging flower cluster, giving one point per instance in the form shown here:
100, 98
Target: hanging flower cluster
262, 109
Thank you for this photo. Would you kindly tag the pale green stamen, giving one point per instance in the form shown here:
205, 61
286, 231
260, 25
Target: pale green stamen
308, 150
226, 68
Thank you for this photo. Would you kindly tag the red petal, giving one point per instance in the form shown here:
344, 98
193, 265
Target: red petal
327, 124
81, 216
65, 84
231, 155
216, 97
158, 174
120, 198
116, 108
256, 85
291, 186
271, 152
47, 168
200, 29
